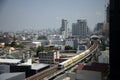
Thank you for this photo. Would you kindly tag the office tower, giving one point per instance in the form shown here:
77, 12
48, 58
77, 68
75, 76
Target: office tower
106, 23
80, 29
98, 28
63, 29
107, 12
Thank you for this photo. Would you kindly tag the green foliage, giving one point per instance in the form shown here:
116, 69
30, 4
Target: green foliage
50, 48
102, 45
20, 46
14, 44
33, 49
40, 49
68, 47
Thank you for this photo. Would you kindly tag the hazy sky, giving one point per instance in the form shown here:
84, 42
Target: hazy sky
42, 14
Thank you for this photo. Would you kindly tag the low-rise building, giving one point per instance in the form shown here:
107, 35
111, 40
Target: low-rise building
48, 57
104, 57
55, 39
33, 44
103, 68
81, 48
73, 42
94, 71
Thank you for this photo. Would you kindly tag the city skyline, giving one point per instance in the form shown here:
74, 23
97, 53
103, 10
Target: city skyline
17, 15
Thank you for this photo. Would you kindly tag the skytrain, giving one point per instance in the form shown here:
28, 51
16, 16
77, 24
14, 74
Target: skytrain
77, 57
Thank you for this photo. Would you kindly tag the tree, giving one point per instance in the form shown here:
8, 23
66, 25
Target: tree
51, 48
20, 46
39, 49
13, 44
32, 48
68, 47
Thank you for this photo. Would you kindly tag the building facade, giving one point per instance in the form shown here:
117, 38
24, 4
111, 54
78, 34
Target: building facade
98, 28
80, 29
73, 42
48, 57
55, 40
63, 29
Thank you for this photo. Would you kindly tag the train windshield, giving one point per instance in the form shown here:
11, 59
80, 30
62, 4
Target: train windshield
60, 66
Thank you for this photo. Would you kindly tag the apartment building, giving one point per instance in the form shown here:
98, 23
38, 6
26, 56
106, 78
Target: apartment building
48, 57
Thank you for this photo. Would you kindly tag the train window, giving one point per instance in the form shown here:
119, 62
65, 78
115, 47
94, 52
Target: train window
60, 66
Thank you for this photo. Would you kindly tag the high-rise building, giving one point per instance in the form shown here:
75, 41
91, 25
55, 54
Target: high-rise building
107, 12
98, 28
80, 29
63, 29
106, 23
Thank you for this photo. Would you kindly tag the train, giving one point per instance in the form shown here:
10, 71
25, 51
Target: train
77, 57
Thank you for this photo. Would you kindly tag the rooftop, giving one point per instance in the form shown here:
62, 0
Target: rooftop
39, 66
34, 66
101, 67
10, 76
10, 61
91, 75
